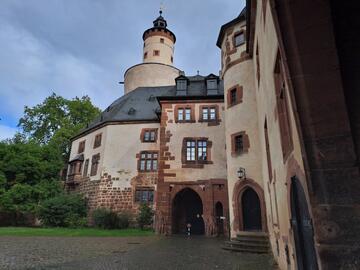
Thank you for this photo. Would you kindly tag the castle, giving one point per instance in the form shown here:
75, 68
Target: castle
260, 148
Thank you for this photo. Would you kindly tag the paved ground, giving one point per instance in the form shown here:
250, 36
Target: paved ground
155, 253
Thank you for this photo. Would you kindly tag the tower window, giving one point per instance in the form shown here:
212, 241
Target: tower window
145, 55
161, 40
156, 53
233, 96
172, 59
239, 39
239, 143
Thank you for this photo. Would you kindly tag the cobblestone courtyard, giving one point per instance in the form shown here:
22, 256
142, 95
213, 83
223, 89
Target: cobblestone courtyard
123, 253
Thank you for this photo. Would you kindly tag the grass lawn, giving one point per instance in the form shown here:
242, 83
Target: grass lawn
27, 231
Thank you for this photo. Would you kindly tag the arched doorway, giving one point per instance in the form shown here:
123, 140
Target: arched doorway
251, 210
187, 208
302, 228
219, 213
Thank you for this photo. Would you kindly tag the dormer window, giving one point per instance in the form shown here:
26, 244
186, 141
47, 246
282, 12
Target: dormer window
212, 86
181, 87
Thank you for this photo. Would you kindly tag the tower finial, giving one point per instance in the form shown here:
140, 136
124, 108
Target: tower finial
161, 8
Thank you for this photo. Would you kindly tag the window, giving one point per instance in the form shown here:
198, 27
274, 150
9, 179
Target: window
81, 147
181, 114
196, 150
145, 55
171, 59
97, 141
144, 195
190, 150
86, 167
156, 53
211, 84
240, 143
208, 114
267, 145
239, 39
239, 146
181, 85
202, 150
149, 135
148, 161
161, 40
282, 108
187, 114
257, 64
184, 114
233, 96
94, 164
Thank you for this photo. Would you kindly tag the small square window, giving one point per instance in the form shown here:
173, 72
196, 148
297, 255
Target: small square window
239, 39
161, 40
149, 136
156, 53
145, 55
97, 141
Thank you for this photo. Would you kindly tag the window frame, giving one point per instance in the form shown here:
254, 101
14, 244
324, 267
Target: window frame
207, 110
237, 34
149, 131
95, 160
156, 52
187, 113
195, 151
139, 198
81, 147
245, 144
97, 141
153, 160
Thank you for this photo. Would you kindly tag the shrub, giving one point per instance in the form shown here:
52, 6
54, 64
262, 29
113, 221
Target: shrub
61, 211
124, 220
145, 216
105, 219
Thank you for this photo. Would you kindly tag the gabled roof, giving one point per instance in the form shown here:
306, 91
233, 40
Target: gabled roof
241, 17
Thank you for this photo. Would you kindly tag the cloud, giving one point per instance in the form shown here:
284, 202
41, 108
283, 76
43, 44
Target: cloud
7, 132
83, 47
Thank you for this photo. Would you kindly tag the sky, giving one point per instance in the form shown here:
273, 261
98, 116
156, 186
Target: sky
83, 47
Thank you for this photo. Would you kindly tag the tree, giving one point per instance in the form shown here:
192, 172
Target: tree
145, 215
56, 120
28, 163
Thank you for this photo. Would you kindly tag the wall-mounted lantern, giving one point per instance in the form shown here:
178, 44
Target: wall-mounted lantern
241, 173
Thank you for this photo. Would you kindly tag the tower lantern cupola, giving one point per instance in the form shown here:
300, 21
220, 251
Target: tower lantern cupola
159, 43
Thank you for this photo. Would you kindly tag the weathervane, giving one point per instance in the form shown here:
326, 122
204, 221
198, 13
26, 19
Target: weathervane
162, 7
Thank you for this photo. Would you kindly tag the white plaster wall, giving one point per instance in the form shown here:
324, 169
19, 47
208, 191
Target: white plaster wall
166, 50
266, 103
90, 150
217, 170
121, 147
149, 75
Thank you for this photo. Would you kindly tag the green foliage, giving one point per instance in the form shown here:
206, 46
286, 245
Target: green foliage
106, 219
56, 120
61, 211
145, 215
27, 163
19, 198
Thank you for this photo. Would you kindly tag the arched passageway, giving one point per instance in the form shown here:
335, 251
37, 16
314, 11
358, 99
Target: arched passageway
187, 208
251, 210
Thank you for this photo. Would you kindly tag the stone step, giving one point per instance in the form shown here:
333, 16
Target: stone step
253, 234
246, 250
247, 244
251, 239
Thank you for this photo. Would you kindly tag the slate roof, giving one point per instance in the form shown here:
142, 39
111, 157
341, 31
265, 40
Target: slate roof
142, 103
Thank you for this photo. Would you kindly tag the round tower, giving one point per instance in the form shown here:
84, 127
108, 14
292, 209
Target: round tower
158, 55
159, 43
